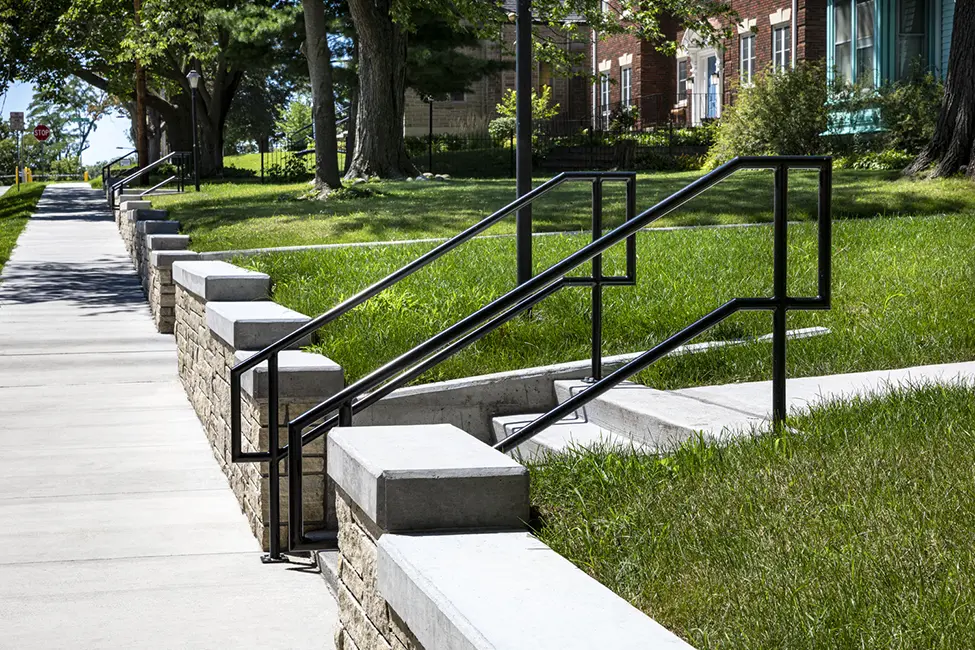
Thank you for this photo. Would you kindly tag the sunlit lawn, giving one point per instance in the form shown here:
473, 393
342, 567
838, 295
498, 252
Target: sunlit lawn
234, 216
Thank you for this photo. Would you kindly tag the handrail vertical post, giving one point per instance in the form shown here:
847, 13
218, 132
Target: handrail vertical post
780, 292
345, 414
597, 285
295, 510
825, 232
631, 240
274, 477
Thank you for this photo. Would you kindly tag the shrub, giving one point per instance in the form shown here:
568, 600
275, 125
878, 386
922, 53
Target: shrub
292, 167
543, 109
783, 113
909, 110
624, 118
888, 160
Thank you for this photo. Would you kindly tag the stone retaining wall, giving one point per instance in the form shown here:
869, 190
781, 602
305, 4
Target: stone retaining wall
219, 319
433, 553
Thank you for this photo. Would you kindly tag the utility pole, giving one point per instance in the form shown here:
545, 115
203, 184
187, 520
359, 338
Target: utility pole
523, 131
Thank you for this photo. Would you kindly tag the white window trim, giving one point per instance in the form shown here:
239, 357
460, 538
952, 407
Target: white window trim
747, 25
626, 60
605, 65
787, 58
750, 36
626, 87
682, 58
783, 15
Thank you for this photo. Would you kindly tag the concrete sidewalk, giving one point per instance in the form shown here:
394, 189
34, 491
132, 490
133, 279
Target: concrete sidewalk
117, 527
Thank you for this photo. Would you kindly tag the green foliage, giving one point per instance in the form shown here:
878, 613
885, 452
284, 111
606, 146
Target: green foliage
294, 119
887, 160
852, 531
542, 107
502, 128
442, 58
16, 206
290, 168
623, 118
783, 113
909, 111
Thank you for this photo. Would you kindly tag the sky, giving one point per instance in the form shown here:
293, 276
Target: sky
110, 133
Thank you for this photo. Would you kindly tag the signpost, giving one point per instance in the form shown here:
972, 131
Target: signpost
17, 125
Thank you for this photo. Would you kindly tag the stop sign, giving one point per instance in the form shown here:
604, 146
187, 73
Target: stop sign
41, 132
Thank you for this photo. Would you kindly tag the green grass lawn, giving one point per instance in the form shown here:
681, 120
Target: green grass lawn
855, 532
15, 209
903, 295
235, 216
252, 161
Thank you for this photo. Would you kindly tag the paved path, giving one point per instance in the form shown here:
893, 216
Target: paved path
117, 528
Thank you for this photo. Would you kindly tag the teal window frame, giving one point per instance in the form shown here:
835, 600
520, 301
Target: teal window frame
878, 40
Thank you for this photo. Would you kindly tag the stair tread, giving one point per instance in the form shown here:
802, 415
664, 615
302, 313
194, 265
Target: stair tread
565, 434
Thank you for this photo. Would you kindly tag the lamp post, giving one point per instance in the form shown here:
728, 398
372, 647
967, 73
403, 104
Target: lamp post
194, 78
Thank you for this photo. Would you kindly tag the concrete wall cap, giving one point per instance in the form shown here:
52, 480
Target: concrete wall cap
221, 281
167, 242
495, 590
143, 214
427, 477
165, 259
157, 227
134, 204
300, 374
252, 325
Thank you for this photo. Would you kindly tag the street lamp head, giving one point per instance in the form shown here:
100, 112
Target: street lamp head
194, 78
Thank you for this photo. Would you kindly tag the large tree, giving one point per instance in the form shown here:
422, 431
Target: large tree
72, 110
953, 144
382, 28
99, 40
319, 55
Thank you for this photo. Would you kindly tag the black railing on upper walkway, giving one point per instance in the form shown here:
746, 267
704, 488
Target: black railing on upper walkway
179, 159
107, 169
340, 408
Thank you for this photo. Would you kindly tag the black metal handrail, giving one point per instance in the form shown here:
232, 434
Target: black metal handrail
106, 169
179, 157
269, 354
371, 388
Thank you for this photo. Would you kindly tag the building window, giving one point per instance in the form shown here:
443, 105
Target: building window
458, 97
781, 47
747, 74
626, 86
864, 17
911, 42
682, 80
604, 93
854, 41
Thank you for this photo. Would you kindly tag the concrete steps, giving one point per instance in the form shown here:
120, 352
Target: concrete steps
656, 420
570, 432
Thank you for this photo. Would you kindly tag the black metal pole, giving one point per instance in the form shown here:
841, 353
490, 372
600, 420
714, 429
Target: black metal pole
196, 148
430, 140
523, 132
597, 286
780, 290
274, 477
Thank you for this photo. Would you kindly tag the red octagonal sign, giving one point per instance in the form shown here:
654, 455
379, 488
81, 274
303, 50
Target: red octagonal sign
41, 132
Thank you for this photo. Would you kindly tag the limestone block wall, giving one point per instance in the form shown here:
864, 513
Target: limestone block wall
220, 319
433, 553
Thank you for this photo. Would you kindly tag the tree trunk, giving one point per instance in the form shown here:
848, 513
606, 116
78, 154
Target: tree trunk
379, 146
319, 57
155, 135
353, 109
953, 144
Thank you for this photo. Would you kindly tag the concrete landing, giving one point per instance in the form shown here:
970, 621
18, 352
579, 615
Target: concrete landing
118, 528
660, 419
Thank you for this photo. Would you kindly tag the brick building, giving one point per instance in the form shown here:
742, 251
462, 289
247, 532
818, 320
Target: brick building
702, 78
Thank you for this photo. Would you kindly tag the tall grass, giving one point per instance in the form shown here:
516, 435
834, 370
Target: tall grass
15, 209
903, 295
855, 532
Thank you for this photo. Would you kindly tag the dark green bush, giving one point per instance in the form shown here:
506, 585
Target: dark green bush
909, 111
784, 113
